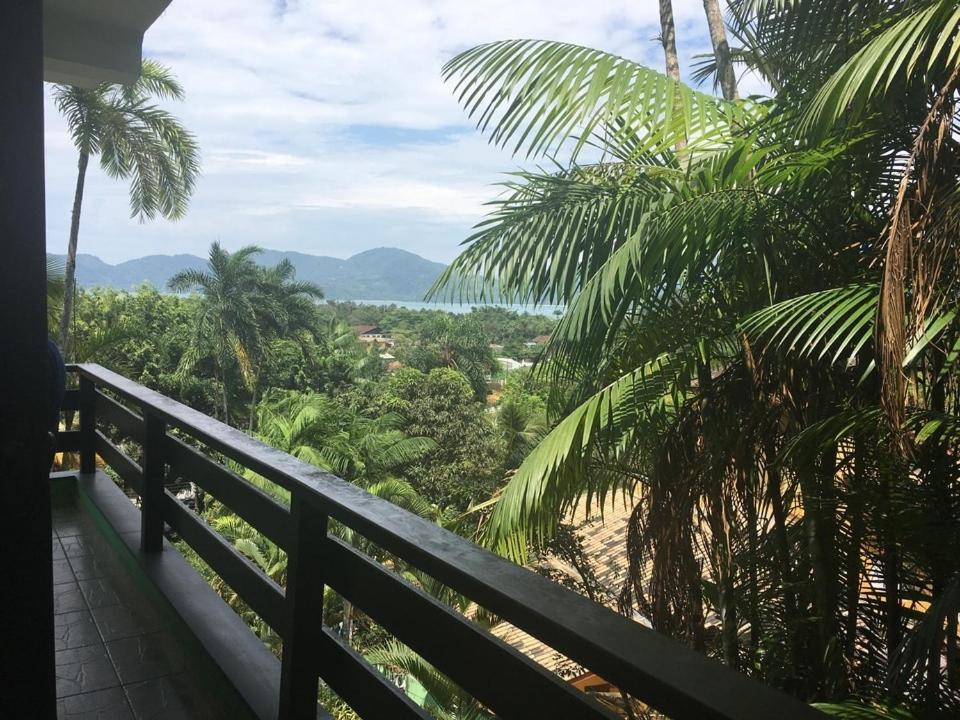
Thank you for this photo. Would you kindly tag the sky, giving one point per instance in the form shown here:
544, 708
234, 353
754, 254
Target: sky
325, 126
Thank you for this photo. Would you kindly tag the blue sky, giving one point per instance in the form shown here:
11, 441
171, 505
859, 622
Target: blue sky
325, 127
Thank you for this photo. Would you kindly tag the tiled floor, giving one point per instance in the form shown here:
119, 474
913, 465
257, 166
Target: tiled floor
120, 653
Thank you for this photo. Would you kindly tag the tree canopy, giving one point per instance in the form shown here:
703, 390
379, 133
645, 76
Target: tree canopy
760, 338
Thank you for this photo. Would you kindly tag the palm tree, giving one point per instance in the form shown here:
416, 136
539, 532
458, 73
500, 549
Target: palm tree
668, 38
520, 428
459, 343
56, 284
322, 432
135, 140
444, 699
286, 308
760, 336
244, 309
363, 450
721, 49
228, 318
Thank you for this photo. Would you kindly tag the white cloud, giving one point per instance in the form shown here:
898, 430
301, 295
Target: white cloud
327, 128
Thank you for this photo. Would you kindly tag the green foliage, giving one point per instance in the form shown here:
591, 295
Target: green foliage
136, 140
458, 342
243, 309
759, 348
440, 405
323, 432
444, 699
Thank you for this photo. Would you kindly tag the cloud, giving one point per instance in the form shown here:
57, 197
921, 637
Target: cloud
325, 126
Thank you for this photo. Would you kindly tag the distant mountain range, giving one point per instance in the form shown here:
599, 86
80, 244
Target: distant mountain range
379, 274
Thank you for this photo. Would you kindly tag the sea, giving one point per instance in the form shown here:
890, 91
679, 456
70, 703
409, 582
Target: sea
462, 308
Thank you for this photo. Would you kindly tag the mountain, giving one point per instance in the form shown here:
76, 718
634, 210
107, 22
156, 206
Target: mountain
379, 274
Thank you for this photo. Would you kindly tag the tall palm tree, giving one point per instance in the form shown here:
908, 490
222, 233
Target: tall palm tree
136, 140
228, 319
286, 308
668, 38
761, 334
721, 49
56, 285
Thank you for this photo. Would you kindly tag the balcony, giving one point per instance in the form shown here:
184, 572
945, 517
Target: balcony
152, 631
122, 650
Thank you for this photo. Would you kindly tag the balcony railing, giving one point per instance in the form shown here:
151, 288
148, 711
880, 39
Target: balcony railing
638, 661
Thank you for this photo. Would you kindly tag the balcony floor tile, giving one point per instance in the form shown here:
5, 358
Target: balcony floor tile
121, 654
67, 598
84, 670
108, 704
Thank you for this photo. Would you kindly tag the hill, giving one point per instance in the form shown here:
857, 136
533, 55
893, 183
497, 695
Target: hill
378, 274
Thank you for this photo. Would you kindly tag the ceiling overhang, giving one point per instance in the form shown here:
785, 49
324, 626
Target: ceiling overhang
88, 42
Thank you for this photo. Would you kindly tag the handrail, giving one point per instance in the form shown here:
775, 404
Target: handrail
637, 660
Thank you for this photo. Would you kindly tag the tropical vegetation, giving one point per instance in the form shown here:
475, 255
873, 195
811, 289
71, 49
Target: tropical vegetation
758, 356
238, 338
760, 346
135, 140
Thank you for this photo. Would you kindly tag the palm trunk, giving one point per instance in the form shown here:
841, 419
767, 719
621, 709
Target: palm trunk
226, 402
819, 566
784, 557
890, 559
668, 37
70, 275
728, 597
942, 565
252, 424
855, 510
348, 622
953, 663
721, 49
752, 564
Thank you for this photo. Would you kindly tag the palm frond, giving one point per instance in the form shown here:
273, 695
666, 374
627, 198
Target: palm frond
918, 43
552, 476
538, 94
835, 323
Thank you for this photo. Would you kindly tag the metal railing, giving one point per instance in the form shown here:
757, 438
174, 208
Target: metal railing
638, 661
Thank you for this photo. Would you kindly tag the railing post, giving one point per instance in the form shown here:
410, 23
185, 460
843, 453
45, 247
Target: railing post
300, 669
154, 472
88, 425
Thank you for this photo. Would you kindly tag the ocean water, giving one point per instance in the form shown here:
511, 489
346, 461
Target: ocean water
461, 308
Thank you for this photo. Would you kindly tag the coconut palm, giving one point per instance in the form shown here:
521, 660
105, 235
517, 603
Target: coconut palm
227, 327
135, 140
726, 77
760, 334
286, 309
56, 284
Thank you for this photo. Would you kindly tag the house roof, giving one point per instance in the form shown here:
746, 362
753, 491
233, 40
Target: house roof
365, 329
541, 339
603, 536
